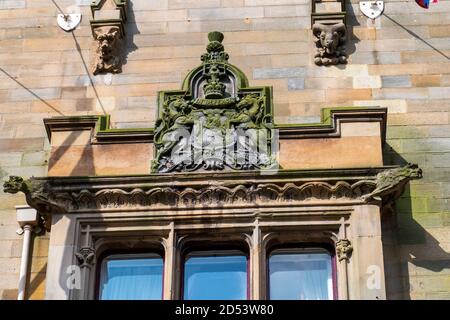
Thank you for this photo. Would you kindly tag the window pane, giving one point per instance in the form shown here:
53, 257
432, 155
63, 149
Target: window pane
131, 279
215, 277
300, 276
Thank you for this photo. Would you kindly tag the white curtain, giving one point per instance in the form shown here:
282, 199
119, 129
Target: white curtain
132, 279
300, 276
215, 278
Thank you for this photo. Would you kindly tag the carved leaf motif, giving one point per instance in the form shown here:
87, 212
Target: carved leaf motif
344, 249
86, 256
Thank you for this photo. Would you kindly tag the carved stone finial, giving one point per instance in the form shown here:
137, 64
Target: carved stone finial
330, 42
108, 50
215, 36
86, 257
344, 249
393, 181
215, 49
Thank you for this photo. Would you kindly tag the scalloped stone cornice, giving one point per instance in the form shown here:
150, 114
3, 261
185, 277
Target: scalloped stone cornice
220, 190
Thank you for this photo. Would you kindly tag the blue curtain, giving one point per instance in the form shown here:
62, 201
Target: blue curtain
132, 279
300, 276
215, 278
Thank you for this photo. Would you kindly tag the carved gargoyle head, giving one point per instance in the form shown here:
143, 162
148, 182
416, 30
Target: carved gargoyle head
106, 43
13, 185
413, 171
329, 37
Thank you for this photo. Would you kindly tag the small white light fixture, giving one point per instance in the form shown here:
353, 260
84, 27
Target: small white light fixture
69, 21
372, 9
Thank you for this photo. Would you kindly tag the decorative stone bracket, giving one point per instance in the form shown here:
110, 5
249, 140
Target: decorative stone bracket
108, 30
330, 32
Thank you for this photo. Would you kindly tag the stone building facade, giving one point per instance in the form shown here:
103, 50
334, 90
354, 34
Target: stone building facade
396, 72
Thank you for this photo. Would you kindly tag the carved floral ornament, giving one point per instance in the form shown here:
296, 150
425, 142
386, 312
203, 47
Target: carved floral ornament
344, 249
86, 257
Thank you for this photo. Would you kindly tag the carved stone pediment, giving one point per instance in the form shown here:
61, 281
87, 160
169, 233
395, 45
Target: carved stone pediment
216, 122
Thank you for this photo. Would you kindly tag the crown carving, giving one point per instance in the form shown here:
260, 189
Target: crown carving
214, 90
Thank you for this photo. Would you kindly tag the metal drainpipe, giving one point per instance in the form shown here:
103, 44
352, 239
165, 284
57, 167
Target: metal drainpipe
27, 218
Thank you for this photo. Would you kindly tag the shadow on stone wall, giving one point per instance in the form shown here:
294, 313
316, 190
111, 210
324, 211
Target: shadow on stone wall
415, 35
86, 68
351, 23
36, 280
131, 29
84, 166
406, 241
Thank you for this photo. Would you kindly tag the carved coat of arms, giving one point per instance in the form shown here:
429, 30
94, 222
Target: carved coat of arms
217, 122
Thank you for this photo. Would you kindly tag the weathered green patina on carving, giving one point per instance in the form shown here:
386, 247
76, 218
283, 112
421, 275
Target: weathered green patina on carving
217, 122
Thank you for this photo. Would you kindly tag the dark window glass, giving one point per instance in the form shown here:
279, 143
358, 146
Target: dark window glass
297, 275
131, 277
215, 276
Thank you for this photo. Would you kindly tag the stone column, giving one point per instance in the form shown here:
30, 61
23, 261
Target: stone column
169, 264
255, 263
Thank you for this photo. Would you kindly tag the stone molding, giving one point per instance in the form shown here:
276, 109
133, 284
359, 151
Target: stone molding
199, 191
330, 127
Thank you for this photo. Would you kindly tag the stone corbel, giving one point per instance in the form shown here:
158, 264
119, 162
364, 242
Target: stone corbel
330, 32
108, 30
107, 54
